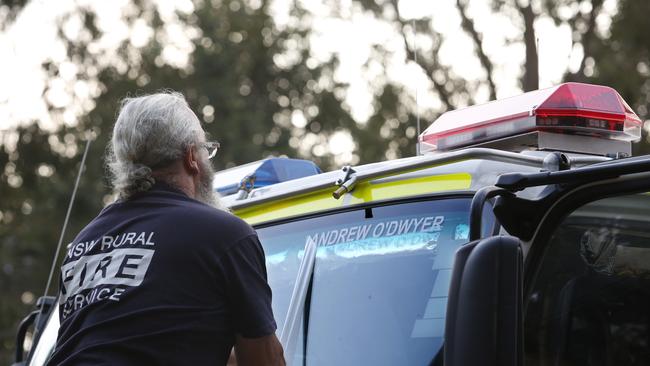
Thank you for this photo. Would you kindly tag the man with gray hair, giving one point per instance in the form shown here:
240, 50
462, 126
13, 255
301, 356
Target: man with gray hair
164, 275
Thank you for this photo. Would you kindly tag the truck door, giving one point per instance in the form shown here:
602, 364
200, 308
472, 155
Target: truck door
586, 274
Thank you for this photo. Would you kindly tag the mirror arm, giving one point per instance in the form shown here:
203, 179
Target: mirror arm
38, 317
476, 208
22, 332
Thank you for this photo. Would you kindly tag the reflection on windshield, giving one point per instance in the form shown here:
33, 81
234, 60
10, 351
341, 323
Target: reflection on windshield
380, 282
379, 246
277, 258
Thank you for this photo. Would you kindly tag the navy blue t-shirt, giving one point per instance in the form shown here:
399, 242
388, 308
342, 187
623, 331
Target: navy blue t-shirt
161, 279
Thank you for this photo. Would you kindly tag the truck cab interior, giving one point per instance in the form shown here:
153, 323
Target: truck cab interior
590, 302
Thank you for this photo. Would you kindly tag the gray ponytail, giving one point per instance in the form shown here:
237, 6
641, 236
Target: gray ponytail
133, 178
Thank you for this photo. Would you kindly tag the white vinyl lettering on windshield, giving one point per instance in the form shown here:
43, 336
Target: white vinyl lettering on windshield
378, 229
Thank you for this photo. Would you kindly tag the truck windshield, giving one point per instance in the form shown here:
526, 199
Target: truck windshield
381, 277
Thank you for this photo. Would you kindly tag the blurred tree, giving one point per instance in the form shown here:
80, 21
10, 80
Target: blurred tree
621, 59
246, 79
451, 89
9, 9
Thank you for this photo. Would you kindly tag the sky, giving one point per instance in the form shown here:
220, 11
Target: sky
32, 39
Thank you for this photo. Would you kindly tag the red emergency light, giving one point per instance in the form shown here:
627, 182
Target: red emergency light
570, 108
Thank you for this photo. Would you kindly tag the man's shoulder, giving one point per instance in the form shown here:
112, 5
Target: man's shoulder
198, 210
208, 219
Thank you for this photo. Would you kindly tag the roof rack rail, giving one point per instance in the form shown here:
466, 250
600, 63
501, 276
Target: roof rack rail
419, 162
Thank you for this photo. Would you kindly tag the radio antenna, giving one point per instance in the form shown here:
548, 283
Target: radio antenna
539, 67
417, 104
67, 216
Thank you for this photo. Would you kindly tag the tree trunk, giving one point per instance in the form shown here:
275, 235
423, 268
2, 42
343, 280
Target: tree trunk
531, 68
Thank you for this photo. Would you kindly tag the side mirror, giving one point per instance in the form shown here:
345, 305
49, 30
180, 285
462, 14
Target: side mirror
37, 318
484, 309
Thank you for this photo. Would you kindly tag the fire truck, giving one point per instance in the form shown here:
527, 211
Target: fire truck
521, 236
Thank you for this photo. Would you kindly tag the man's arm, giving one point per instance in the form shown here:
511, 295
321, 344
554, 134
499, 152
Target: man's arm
265, 350
244, 272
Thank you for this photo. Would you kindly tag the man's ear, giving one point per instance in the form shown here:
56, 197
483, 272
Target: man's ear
191, 160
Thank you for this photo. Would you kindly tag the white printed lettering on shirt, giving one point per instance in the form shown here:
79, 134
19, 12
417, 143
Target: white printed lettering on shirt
126, 266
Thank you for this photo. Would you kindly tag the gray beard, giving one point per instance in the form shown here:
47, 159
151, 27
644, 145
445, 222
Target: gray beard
204, 192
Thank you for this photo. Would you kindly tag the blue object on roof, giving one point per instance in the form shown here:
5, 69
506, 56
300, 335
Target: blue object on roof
263, 173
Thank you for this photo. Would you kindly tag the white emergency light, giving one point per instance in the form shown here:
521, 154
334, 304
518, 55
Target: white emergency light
570, 114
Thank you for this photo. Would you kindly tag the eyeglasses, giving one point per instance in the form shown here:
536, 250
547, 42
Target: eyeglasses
212, 147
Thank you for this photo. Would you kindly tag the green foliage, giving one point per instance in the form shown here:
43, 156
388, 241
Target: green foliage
622, 61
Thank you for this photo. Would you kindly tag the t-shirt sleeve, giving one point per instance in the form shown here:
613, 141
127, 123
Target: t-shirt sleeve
248, 289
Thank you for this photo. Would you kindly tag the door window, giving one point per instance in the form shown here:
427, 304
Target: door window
590, 303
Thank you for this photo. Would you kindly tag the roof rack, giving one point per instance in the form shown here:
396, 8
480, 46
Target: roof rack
394, 167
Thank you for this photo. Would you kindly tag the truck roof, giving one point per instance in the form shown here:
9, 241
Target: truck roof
461, 171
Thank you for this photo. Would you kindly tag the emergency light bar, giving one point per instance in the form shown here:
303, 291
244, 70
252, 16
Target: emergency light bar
262, 173
571, 108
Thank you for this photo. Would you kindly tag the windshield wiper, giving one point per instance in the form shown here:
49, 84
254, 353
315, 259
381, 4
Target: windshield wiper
289, 333
305, 322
